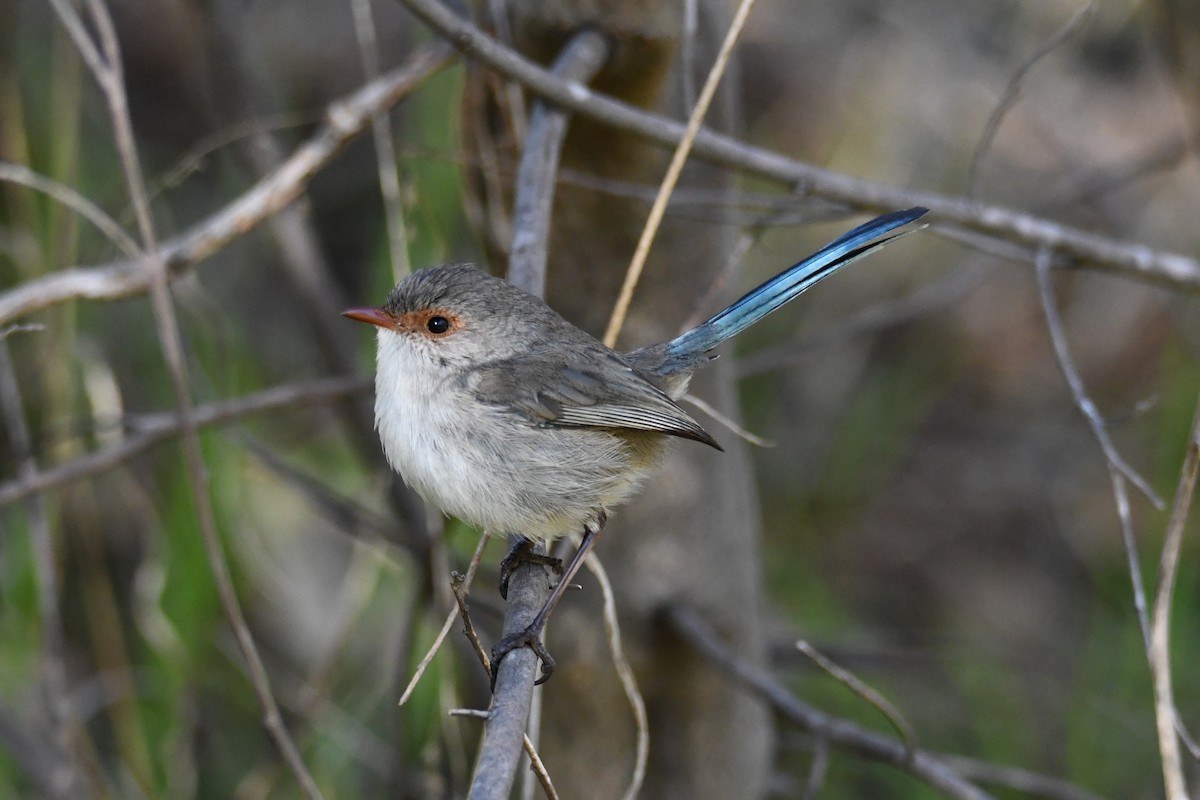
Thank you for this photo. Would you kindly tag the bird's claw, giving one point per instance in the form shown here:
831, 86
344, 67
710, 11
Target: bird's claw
522, 553
531, 638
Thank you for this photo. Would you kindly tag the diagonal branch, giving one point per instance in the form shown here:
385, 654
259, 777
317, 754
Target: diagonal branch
835, 731
1029, 232
151, 429
344, 120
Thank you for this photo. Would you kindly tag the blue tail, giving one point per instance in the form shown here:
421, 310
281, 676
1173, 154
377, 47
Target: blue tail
786, 286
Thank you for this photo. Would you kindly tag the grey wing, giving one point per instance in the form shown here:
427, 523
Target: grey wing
582, 390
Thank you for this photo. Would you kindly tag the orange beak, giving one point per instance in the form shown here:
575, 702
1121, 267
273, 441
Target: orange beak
373, 316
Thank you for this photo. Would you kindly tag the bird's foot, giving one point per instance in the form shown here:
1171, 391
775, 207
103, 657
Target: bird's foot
531, 637
522, 553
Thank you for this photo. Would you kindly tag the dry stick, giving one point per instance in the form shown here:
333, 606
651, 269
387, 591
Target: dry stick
1013, 88
839, 732
19, 173
156, 428
678, 159
860, 688
1029, 232
833, 731
500, 749
385, 148
1165, 712
625, 674
1119, 471
344, 120
460, 584
64, 775
109, 75
1017, 779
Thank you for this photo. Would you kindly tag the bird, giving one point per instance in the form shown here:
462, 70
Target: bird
499, 411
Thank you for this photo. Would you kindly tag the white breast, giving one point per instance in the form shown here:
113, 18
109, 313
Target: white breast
485, 465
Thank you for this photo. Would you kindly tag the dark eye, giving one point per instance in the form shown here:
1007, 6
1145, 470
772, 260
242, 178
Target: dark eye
437, 325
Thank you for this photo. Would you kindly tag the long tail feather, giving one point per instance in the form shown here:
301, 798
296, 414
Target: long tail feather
786, 286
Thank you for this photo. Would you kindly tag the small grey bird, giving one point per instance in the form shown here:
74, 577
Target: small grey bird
497, 410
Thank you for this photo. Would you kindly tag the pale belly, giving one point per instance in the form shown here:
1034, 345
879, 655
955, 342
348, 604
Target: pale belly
502, 474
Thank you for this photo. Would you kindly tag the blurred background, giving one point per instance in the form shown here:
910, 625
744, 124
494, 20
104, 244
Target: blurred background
936, 515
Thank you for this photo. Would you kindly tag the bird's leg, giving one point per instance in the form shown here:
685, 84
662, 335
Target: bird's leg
531, 636
522, 553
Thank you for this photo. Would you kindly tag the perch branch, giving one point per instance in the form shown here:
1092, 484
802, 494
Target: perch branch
504, 730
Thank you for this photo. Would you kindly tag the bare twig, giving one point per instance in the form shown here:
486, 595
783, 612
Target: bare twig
1119, 471
1026, 231
1165, 712
625, 674
539, 770
344, 120
729, 422
854, 684
19, 173
1017, 779
472, 713
838, 732
385, 148
1013, 88
459, 584
634, 273
156, 428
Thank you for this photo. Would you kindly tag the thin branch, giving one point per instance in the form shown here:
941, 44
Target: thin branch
1166, 715
459, 584
19, 173
860, 688
539, 770
152, 429
1119, 471
634, 273
1029, 232
1017, 779
838, 732
1009, 97
385, 147
625, 674
728, 422
344, 120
